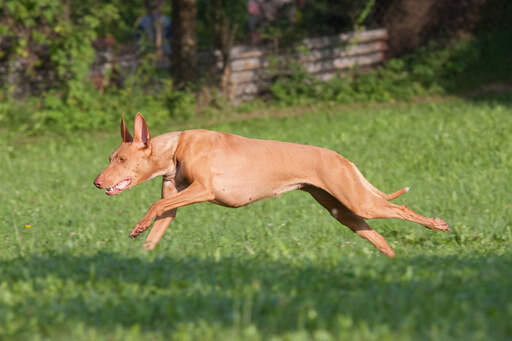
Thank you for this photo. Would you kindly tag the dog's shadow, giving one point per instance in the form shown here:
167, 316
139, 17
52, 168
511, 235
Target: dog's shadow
421, 294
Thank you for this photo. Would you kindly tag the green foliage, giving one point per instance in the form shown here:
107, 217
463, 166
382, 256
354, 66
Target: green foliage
54, 36
54, 39
398, 79
122, 29
53, 114
336, 16
219, 17
181, 103
297, 87
279, 269
430, 70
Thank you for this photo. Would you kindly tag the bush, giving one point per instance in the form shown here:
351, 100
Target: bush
430, 70
53, 113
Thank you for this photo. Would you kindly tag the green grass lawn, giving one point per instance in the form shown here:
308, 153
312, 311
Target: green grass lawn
280, 269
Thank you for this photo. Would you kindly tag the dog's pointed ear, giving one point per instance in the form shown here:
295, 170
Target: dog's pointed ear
125, 134
141, 131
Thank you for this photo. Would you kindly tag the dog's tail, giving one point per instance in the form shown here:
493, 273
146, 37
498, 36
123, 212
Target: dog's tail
396, 194
376, 191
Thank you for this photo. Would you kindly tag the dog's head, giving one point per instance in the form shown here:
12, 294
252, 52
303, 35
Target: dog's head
131, 163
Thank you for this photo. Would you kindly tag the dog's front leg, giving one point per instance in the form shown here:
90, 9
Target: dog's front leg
162, 222
194, 193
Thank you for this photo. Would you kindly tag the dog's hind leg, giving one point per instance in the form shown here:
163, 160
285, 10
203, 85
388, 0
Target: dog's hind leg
341, 213
345, 182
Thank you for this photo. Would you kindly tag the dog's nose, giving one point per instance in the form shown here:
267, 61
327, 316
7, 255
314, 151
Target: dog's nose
97, 182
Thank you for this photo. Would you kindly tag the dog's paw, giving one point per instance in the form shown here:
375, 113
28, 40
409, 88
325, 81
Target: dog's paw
440, 225
137, 230
134, 234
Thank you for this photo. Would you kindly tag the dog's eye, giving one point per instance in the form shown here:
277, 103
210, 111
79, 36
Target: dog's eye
122, 159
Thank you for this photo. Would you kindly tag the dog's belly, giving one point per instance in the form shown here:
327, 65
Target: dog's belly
237, 194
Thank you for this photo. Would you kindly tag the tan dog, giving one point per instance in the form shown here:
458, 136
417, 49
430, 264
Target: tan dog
233, 171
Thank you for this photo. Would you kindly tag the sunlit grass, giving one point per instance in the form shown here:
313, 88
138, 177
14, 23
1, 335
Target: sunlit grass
280, 268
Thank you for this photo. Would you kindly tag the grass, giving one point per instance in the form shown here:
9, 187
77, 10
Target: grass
280, 269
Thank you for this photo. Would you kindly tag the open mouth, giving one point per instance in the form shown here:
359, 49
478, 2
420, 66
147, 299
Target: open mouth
119, 187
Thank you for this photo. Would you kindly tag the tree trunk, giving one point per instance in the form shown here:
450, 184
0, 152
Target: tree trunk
183, 41
224, 37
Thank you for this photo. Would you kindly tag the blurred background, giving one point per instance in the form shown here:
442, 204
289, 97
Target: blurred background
68, 65
415, 92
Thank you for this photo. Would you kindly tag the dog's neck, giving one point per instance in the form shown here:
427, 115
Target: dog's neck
162, 153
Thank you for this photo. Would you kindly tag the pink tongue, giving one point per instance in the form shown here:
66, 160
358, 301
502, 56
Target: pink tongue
122, 184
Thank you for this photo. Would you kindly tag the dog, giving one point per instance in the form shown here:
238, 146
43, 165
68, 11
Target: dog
233, 171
